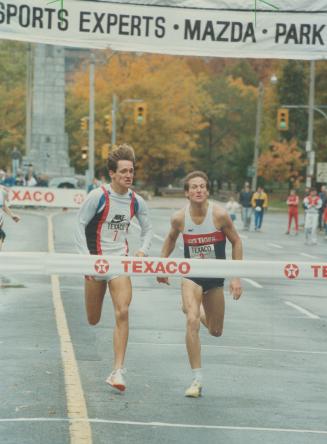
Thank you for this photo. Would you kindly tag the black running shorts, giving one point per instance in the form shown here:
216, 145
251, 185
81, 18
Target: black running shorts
208, 283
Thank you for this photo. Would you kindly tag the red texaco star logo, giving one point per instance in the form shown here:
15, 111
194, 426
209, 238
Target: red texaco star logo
101, 266
291, 271
78, 198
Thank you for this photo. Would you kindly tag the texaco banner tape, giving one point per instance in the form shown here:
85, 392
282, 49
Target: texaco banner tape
104, 266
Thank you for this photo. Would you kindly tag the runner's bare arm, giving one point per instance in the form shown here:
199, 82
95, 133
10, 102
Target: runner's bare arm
170, 241
8, 211
224, 222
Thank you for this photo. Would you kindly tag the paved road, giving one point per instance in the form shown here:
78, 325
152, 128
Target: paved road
265, 378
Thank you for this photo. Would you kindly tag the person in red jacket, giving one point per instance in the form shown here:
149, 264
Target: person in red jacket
325, 220
293, 211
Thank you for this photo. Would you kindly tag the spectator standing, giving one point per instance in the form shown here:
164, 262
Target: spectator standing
20, 179
30, 177
9, 180
93, 185
16, 159
293, 211
325, 220
232, 207
246, 203
2, 177
323, 197
312, 204
259, 204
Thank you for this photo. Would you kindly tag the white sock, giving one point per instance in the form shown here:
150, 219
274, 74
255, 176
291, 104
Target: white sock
197, 374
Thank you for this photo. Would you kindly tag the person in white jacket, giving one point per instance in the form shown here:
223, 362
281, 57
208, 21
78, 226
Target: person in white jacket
311, 204
232, 208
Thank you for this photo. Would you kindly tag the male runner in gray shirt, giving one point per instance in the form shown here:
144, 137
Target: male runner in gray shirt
102, 229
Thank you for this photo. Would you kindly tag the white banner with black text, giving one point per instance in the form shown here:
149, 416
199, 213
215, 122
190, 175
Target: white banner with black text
272, 31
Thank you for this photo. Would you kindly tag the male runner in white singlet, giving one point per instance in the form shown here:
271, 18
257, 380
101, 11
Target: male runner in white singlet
204, 226
102, 229
4, 209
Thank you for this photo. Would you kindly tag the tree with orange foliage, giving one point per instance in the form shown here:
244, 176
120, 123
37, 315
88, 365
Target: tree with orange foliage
173, 97
282, 163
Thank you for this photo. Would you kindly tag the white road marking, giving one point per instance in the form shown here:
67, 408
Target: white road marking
275, 245
235, 347
308, 255
171, 425
302, 310
252, 282
76, 405
242, 236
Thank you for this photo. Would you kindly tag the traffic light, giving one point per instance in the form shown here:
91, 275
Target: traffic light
105, 151
84, 123
282, 119
140, 111
108, 122
85, 151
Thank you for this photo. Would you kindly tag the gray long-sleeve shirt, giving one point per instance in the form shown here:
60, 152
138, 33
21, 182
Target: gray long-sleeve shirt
103, 221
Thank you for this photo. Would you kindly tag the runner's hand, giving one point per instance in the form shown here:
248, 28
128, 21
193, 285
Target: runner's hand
139, 254
235, 288
163, 280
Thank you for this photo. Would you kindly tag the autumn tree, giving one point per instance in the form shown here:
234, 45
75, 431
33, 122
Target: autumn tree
173, 96
282, 163
12, 98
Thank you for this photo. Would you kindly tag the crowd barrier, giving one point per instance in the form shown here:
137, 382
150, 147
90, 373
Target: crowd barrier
102, 266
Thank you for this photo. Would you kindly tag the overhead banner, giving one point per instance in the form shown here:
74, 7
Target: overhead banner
45, 197
271, 30
106, 266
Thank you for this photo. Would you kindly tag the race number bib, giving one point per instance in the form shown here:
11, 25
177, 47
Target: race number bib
203, 252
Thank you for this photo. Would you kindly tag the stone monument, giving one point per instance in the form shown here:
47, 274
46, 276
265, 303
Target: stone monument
49, 142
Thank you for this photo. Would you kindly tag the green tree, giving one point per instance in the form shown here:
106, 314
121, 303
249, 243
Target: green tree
226, 144
292, 89
320, 135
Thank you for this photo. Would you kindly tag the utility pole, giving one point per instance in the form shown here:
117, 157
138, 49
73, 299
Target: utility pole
28, 109
257, 136
113, 113
309, 145
91, 122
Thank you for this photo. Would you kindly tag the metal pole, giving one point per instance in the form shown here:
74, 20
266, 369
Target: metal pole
28, 109
113, 114
257, 136
91, 122
309, 144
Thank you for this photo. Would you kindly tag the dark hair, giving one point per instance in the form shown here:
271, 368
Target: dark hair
194, 174
120, 152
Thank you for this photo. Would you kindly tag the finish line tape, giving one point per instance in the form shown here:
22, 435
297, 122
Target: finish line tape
103, 266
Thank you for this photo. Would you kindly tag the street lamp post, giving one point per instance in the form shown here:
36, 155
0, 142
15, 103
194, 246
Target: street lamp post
91, 122
309, 144
257, 135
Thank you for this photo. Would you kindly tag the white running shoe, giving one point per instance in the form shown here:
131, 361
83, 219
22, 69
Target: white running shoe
195, 389
116, 379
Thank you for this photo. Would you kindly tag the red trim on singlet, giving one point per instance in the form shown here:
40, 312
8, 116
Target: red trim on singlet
132, 207
102, 220
203, 239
